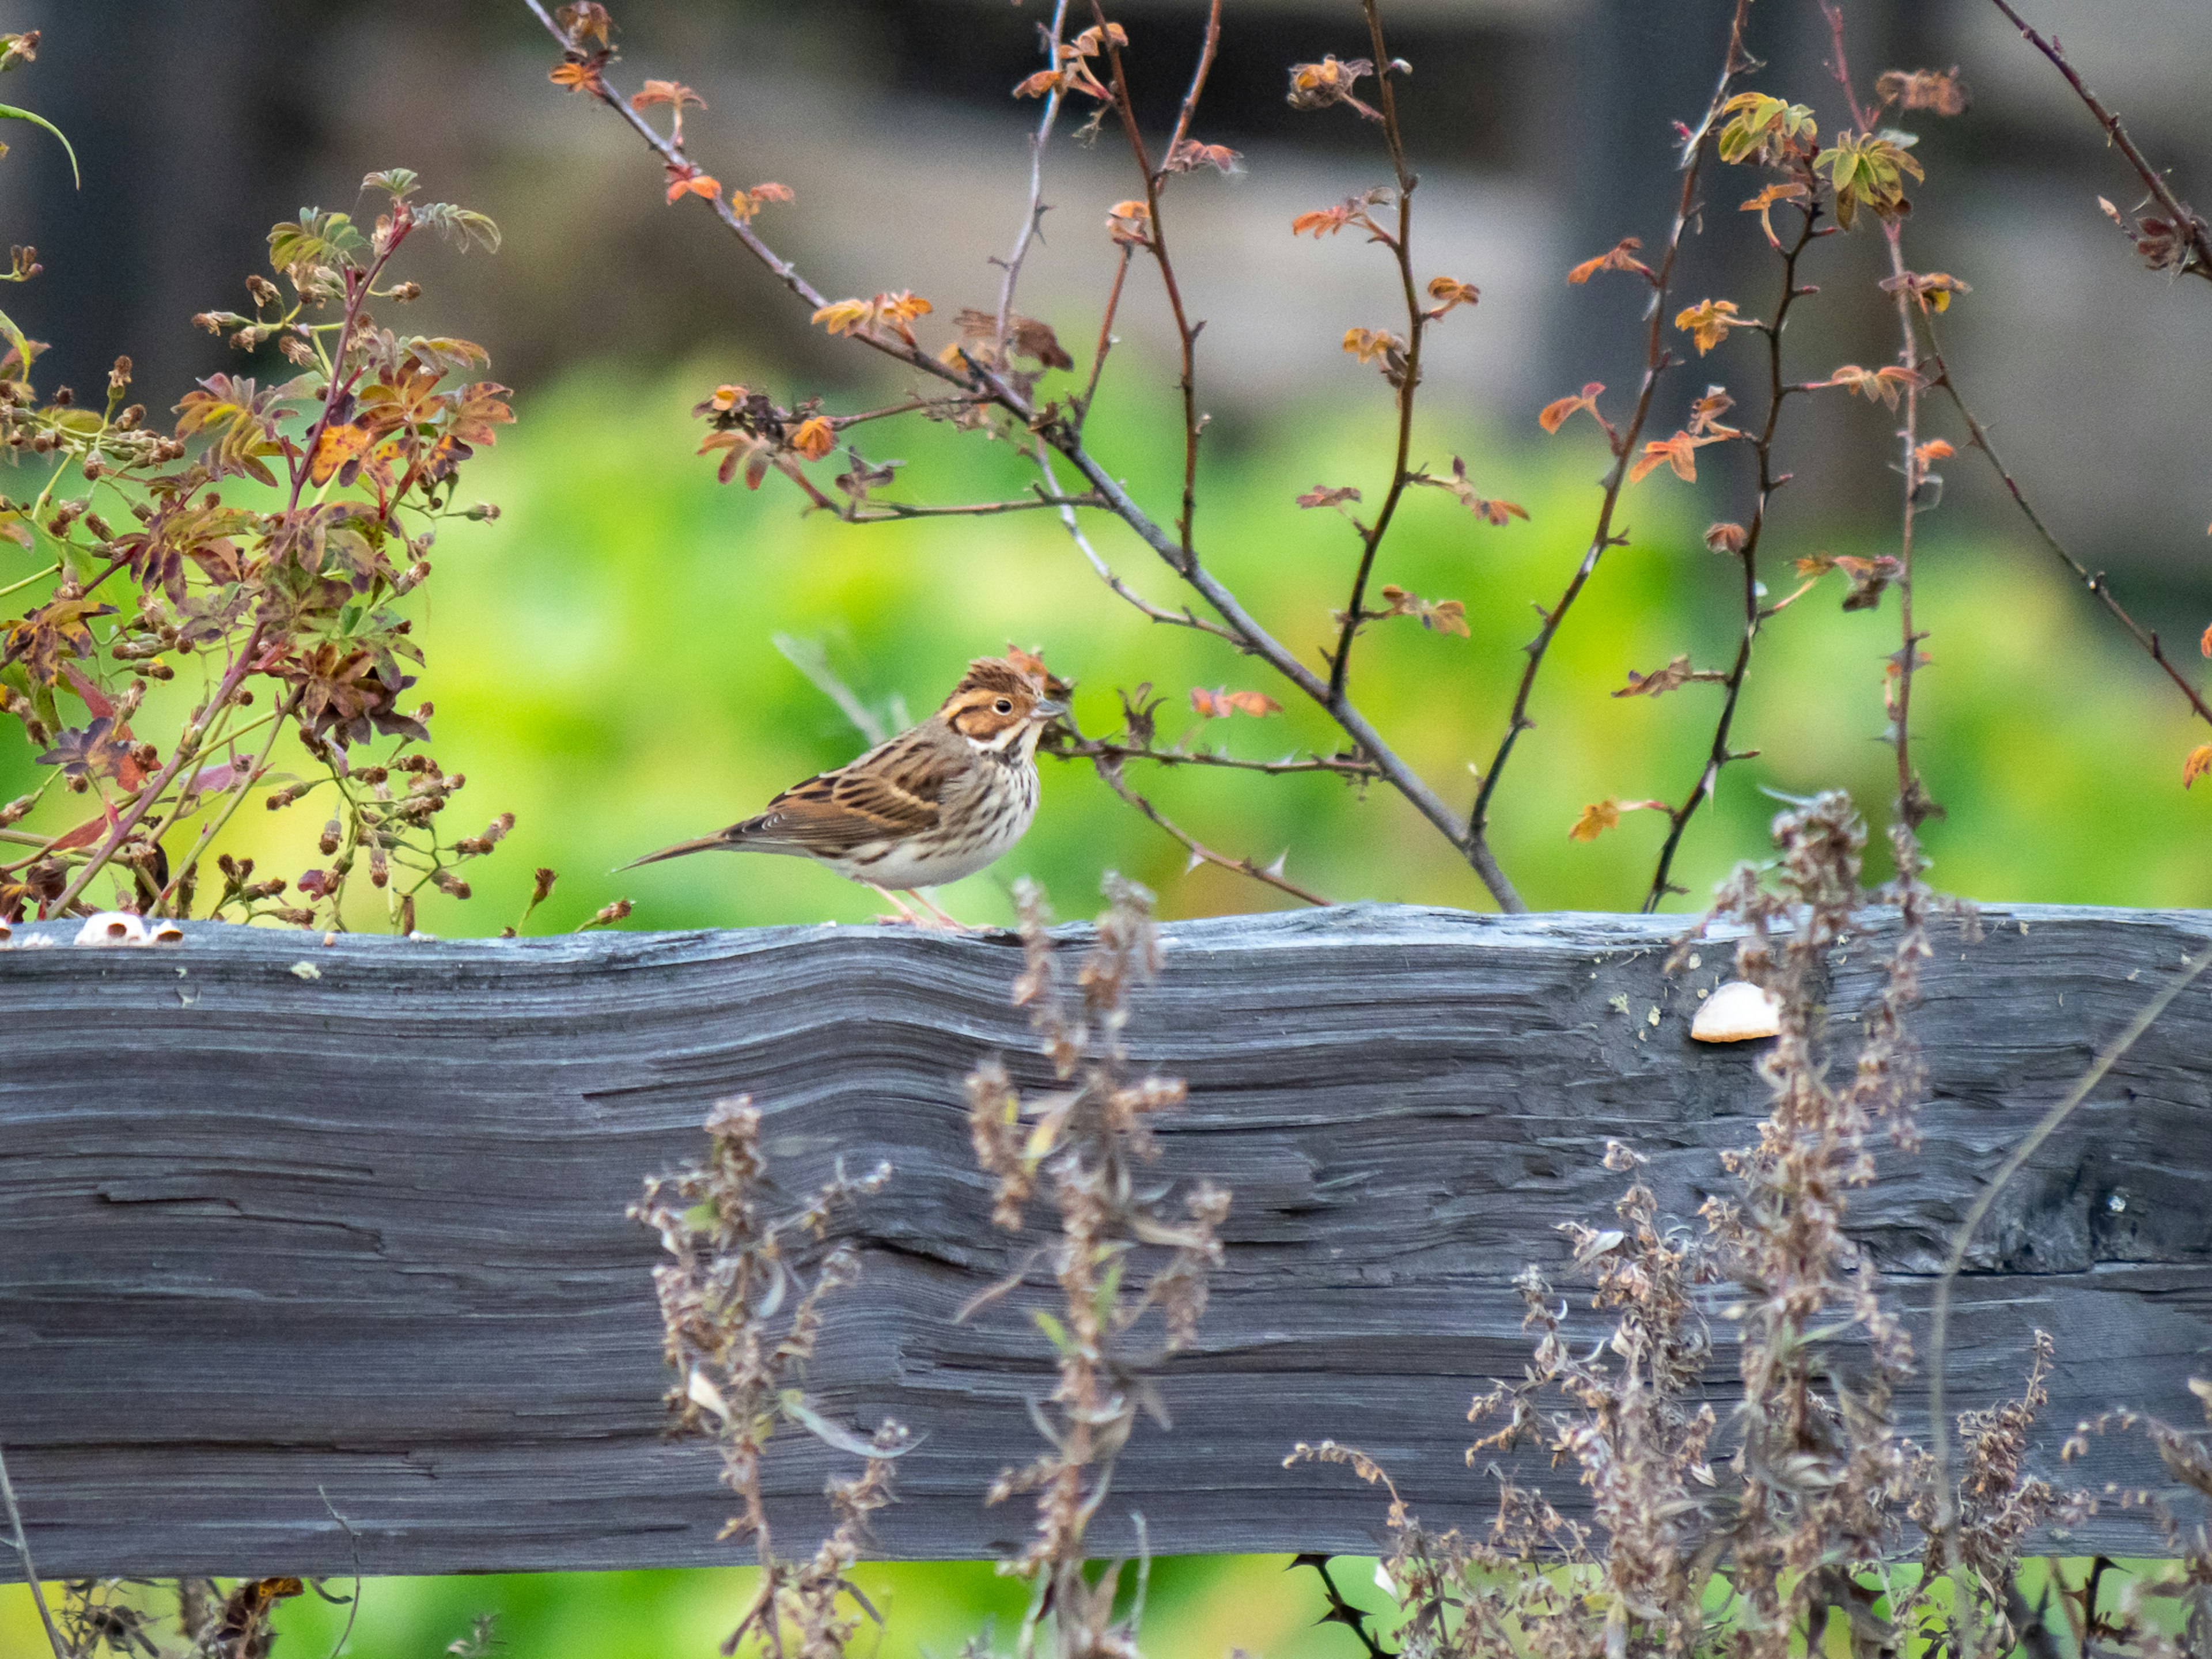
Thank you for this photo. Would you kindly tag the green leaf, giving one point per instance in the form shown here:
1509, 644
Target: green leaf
394, 181
462, 227
14, 114
1055, 1332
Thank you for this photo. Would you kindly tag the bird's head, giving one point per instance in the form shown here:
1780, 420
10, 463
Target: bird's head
998, 706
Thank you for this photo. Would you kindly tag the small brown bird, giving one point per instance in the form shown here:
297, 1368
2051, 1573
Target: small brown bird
934, 804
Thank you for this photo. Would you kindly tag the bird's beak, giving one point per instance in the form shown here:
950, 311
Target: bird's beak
1048, 710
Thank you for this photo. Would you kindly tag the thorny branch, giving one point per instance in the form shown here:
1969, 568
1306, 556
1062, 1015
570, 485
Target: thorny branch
1755, 611
2092, 579
1914, 806
1108, 767
1339, 662
2183, 226
1157, 245
1240, 626
1657, 361
1033, 213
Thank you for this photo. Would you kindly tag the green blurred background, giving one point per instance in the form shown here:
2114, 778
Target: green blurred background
602, 656
601, 662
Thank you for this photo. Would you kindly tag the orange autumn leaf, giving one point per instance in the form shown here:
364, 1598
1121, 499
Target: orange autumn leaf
1935, 449
1449, 291
338, 447
1597, 817
1763, 205
1088, 42
1672, 677
578, 77
1886, 383
1491, 511
1369, 344
1440, 616
896, 309
1553, 415
815, 437
665, 92
2205, 645
1130, 223
1619, 257
2198, 764
585, 20
1323, 222
1708, 322
746, 203
1332, 496
1931, 289
1219, 704
1601, 815
843, 316
1679, 452
684, 179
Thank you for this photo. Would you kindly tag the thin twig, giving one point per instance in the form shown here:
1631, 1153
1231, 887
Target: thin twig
1257, 640
1183, 618
885, 512
1913, 804
1110, 770
1105, 337
23, 1543
1033, 213
1754, 611
1156, 242
782, 269
1939, 1428
1239, 626
215, 824
1656, 359
1207, 48
1096, 749
186, 752
2093, 580
1416, 326
2180, 214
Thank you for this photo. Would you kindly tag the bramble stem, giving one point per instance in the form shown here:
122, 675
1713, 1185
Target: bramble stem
2178, 212
1656, 359
2093, 580
1416, 324
1754, 613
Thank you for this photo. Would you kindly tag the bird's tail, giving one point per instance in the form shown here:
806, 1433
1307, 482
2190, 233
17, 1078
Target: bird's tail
703, 844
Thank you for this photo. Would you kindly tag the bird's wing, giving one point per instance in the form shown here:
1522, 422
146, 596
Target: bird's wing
890, 792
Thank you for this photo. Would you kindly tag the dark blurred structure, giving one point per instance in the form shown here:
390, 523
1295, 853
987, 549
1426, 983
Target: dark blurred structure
1543, 131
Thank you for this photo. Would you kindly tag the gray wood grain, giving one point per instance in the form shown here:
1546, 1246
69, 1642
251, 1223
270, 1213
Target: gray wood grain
262, 1234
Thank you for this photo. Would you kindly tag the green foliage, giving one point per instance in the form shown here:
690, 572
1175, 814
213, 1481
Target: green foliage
1867, 170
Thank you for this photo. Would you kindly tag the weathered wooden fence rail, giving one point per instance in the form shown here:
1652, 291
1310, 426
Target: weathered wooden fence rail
280, 1221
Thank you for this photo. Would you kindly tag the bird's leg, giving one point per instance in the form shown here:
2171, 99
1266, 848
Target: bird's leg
904, 918
930, 905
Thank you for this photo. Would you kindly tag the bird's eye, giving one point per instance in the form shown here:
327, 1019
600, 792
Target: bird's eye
1004, 706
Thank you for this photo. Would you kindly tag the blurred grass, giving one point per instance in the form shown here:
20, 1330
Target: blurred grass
600, 657
1198, 1607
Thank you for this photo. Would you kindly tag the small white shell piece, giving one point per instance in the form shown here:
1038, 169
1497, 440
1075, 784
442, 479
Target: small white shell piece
1738, 1011
112, 927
